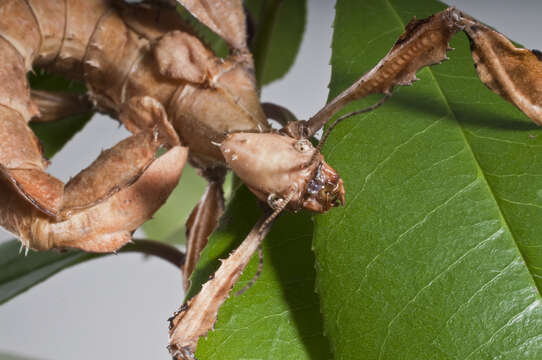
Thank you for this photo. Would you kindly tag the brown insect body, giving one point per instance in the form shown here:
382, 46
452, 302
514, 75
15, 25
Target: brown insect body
276, 167
139, 67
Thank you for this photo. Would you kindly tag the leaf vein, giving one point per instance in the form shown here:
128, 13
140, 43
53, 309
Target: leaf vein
378, 167
432, 281
510, 322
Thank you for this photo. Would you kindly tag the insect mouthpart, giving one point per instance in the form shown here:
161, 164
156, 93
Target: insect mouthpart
325, 190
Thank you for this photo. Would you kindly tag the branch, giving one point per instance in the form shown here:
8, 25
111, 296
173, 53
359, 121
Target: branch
150, 247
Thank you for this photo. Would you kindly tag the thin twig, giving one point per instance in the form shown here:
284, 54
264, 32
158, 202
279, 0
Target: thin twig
164, 251
278, 113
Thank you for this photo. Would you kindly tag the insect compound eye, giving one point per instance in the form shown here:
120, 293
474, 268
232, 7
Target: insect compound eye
303, 145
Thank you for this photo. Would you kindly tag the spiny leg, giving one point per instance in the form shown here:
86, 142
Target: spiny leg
198, 316
202, 221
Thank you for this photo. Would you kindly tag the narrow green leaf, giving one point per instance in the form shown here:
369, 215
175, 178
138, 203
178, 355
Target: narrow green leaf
437, 253
10, 356
285, 35
279, 317
168, 223
20, 272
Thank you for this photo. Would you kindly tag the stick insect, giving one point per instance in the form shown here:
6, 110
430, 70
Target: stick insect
158, 79
515, 74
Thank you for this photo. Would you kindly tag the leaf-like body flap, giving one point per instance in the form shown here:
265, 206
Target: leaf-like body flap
513, 73
226, 18
107, 225
183, 56
43, 191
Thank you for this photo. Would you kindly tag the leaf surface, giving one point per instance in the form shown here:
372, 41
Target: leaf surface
437, 253
20, 272
167, 224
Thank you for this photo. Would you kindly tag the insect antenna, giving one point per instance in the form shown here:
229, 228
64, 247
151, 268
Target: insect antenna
346, 116
262, 228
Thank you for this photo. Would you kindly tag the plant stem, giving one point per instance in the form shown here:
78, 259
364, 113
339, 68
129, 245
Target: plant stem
149, 247
260, 47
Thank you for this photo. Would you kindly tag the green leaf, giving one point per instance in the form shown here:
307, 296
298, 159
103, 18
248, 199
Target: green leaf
55, 135
20, 272
285, 34
437, 253
279, 317
10, 356
168, 223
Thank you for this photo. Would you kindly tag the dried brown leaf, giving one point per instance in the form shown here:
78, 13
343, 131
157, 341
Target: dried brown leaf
122, 213
23, 165
513, 73
38, 188
144, 113
113, 170
103, 227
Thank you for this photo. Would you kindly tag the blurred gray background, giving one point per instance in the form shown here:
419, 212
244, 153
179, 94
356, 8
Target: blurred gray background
116, 307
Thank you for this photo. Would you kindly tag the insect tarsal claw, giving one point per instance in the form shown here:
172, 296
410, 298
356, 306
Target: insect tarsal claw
274, 201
